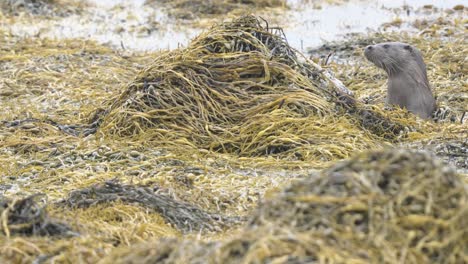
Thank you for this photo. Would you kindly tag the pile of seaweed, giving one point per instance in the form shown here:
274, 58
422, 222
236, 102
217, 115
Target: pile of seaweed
391, 206
240, 88
189, 9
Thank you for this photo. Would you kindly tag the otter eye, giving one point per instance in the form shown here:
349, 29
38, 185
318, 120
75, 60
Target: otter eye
386, 46
407, 47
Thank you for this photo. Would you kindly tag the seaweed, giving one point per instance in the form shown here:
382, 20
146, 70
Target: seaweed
28, 216
385, 206
182, 215
65, 130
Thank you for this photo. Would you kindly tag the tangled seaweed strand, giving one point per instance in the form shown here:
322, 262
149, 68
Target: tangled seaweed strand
28, 217
238, 88
378, 124
392, 206
455, 151
184, 216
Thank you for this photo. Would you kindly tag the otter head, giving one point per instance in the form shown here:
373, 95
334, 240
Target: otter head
408, 85
393, 57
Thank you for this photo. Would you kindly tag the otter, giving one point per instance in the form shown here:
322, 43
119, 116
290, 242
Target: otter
408, 86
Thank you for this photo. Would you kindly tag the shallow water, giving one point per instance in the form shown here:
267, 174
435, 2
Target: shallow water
120, 23
310, 27
128, 24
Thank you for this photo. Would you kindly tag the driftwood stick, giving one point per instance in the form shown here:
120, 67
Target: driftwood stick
331, 78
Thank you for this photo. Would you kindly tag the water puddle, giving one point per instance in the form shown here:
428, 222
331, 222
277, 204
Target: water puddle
129, 24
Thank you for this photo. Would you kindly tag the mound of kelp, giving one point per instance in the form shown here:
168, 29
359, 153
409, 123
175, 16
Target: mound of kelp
189, 9
240, 88
401, 200
393, 206
28, 216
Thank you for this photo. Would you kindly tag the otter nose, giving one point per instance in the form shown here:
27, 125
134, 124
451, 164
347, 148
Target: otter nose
369, 48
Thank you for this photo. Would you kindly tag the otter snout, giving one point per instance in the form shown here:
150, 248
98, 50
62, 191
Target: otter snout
368, 50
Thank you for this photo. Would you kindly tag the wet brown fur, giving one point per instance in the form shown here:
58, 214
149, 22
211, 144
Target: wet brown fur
408, 86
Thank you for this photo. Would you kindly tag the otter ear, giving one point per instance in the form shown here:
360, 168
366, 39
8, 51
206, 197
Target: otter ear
408, 47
